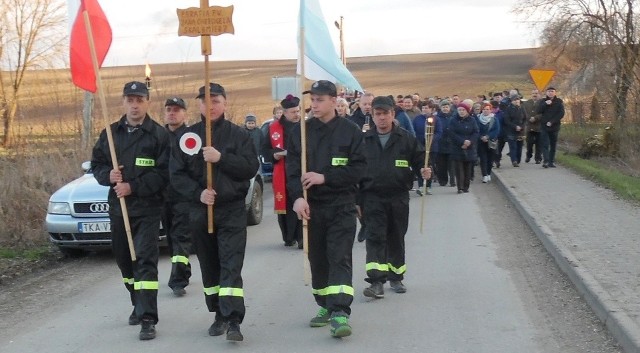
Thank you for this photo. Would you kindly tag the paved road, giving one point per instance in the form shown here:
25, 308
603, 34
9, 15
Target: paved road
466, 293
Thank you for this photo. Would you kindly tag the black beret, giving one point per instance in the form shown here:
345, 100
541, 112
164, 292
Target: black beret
290, 102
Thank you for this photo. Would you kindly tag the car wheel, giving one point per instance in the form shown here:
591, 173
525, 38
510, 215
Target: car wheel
71, 252
254, 214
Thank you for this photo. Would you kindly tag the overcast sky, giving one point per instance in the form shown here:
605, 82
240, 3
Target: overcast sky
147, 30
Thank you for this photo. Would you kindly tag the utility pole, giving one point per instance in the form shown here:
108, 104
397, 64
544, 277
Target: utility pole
339, 25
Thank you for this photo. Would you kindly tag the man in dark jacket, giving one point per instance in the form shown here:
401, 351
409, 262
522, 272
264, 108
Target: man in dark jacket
551, 110
251, 125
221, 254
532, 127
274, 150
175, 216
362, 115
335, 164
142, 150
393, 155
514, 120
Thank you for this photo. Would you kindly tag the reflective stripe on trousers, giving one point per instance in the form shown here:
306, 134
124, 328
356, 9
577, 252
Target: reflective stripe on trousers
148, 285
180, 259
224, 292
399, 271
342, 289
386, 268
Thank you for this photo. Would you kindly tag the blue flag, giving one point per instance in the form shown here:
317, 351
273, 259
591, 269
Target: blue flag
321, 60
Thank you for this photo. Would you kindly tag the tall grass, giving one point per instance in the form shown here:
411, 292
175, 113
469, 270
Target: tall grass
30, 173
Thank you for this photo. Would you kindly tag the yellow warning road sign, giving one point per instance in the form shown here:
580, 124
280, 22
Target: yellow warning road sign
541, 78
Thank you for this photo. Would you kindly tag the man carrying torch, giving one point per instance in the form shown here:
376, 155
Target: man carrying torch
392, 156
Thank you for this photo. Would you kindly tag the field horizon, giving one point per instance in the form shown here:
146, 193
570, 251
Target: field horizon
49, 94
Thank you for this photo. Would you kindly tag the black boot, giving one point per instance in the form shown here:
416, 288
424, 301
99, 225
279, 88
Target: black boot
219, 326
147, 330
233, 333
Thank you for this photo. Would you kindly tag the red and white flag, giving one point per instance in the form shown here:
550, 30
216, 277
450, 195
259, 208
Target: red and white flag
83, 74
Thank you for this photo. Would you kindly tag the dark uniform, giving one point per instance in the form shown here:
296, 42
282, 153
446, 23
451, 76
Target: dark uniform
175, 219
334, 149
143, 150
221, 255
385, 202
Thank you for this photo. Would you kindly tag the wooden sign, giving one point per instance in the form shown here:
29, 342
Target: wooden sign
541, 78
213, 21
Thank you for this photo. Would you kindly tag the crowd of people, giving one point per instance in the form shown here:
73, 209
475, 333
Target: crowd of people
358, 159
467, 132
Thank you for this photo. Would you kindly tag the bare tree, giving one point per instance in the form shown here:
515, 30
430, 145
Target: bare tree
595, 37
32, 36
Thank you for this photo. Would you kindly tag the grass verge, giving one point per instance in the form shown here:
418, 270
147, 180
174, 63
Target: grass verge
627, 187
26, 254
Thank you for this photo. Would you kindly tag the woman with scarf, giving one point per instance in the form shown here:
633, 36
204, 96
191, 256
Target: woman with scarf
489, 129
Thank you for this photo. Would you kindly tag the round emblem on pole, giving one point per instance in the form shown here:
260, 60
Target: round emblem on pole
190, 143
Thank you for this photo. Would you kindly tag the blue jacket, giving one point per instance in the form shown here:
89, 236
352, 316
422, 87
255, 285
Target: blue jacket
463, 129
419, 126
443, 139
405, 122
492, 129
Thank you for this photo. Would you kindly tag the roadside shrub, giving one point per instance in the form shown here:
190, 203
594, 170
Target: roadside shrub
28, 179
592, 146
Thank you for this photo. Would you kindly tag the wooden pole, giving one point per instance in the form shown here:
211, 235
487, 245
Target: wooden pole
87, 126
303, 161
112, 149
205, 46
428, 133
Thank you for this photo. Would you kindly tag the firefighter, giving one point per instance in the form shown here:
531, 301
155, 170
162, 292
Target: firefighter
142, 150
335, 164
175, 217
235, 162
392, 156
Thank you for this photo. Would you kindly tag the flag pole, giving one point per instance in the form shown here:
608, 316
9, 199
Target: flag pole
112, 149
303, 150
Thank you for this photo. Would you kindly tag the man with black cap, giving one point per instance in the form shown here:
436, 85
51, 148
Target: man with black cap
251, 125
335, 164
275, 151
175, 217
235, 162
142, 150
393, 155
551, 110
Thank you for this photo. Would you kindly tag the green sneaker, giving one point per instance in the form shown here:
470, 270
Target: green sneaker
340, 326
321, 319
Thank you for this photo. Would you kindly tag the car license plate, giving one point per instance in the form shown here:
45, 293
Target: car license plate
94, 227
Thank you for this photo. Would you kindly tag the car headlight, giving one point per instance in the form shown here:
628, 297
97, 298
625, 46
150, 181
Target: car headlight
59, 208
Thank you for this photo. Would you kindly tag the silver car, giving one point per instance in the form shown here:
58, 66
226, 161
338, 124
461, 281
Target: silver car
78, 219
